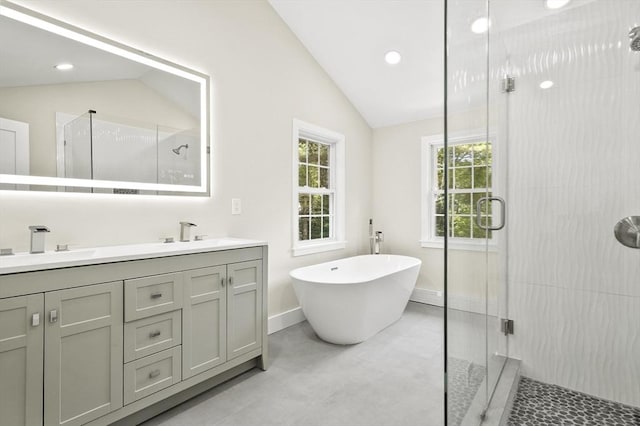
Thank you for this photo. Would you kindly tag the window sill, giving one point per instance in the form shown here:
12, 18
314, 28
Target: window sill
459, 245
303, 250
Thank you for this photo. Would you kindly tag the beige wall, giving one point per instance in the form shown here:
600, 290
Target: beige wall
262, 77
121, 101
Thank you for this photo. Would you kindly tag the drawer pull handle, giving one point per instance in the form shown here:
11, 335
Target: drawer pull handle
222, 282
154, 374
156, 295
154, 333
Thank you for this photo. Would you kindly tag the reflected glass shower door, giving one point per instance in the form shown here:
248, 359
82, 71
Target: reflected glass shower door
78, 148
476, 145
78, 151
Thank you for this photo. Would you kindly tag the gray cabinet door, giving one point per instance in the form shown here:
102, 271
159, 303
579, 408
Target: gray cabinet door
244, 304
83, 353
204, 320
21, 340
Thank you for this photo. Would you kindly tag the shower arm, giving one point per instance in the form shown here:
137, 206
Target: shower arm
177, 150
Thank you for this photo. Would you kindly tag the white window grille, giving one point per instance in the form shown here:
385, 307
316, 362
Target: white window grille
471, 164
318, 189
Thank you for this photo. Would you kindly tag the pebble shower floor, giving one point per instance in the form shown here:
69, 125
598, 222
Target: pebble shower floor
541, 404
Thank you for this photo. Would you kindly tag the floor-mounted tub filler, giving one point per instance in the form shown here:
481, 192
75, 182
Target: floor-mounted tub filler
347, 301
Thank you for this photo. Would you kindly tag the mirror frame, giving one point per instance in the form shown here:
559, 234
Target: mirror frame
35, 19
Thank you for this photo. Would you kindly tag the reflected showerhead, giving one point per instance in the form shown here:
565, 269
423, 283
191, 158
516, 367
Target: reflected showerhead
176, 151
634, 35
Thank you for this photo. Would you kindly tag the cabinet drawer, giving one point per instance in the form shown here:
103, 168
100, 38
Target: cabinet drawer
151, 374
150, 335
148, 296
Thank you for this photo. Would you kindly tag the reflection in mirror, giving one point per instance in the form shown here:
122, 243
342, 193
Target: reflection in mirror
112, 120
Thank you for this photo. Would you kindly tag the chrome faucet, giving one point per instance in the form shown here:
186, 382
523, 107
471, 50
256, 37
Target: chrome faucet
37, 238
379, 238
374, 239
184, 230
371, 237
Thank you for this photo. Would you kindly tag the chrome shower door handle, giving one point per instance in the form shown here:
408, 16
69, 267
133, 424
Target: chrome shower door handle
503, 211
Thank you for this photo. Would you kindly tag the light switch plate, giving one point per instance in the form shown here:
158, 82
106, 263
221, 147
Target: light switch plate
236, 206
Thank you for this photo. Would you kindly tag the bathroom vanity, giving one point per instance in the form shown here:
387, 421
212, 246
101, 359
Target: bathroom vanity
123, 333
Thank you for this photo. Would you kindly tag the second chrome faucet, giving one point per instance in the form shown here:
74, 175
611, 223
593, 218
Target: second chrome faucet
37, 238
185, 228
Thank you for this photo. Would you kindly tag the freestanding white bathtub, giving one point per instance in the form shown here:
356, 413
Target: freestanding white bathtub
349, 300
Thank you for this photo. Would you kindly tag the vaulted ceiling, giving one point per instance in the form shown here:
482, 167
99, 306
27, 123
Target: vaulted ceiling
349, 39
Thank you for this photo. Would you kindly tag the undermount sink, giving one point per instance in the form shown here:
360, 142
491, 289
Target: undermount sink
25, 262
21, 259
174, 246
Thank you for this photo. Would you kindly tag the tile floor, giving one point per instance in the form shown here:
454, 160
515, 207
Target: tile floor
393, 379
465, 380
539, 403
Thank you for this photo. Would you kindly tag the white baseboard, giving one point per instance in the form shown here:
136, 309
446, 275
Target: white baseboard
285, 319
461, 303
472, 304
430, 297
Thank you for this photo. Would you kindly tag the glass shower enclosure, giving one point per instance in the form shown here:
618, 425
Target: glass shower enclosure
108, 148
548, 94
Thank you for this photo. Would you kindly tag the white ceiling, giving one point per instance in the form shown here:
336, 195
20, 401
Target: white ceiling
349, 38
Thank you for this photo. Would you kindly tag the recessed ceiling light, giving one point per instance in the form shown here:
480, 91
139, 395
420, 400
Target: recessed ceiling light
555, 4
480, 25
547, 84
63, 67
392, 57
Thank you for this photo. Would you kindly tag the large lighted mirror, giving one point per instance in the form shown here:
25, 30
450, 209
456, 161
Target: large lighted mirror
82, 113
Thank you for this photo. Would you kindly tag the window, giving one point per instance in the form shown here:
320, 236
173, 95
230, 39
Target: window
318, 189
470, 178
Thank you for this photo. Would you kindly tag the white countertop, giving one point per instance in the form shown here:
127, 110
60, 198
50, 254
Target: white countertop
26, 262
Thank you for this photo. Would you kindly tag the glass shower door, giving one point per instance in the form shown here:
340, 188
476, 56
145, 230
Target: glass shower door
476, 348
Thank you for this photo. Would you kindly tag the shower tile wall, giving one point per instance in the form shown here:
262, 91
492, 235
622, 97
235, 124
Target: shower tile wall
574, 171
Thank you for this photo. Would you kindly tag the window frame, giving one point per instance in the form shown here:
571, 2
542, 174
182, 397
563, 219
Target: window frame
429, 191
336, 142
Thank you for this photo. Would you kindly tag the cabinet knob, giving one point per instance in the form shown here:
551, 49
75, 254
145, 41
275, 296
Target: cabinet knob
230, 280
53, 316
154, 334
156, 295
154, 373
222, 282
